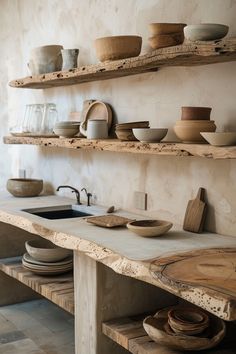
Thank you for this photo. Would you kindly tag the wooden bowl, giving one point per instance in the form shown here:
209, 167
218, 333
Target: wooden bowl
125, 135
188, 321
196, 113
45, 251
118, 47
131, 125
24, 187
149, 228
166, 40
165, 28
158, 329
191, 133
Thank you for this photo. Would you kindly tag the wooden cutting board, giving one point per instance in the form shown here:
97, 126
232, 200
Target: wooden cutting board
108, 220
195, 214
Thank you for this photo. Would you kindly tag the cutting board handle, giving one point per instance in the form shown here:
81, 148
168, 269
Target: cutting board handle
201, 194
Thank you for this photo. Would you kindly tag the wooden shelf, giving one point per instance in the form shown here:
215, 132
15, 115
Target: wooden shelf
114, 145
130, 334
58, 289
188, 54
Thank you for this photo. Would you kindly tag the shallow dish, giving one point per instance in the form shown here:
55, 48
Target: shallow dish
24, 187
149, 228
220, 139
45, 251
205, 32
165, 28
166, 40
118, 47
27, 258
150, 135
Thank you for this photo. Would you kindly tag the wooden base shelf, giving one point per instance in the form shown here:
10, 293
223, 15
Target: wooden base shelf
115, 145
187, 54
58, 289
130, 334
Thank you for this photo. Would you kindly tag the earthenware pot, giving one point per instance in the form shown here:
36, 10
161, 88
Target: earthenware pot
195, 113
45, 59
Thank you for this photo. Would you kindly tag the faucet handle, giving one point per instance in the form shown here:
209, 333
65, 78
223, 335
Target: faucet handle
88, 195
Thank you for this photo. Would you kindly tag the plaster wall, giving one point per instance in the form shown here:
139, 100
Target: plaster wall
157, 97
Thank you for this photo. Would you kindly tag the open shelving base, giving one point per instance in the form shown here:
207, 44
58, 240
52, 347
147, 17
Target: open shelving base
130, 334
115, 145
58, 289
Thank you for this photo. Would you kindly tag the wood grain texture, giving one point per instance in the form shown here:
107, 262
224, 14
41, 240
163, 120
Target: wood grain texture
187, 54
115, 145
195, 214
58, 289
130, 334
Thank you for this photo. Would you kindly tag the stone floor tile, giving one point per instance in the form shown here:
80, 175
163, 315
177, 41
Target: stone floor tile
11, 336
6, 325
24, 346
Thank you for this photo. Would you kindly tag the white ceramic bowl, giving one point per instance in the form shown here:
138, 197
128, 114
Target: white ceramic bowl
149, 228
67, 123
45, 251
67, 132
150, 135
205, 32
220, 139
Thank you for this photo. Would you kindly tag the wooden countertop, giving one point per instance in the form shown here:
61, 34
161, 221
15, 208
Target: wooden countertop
198, 268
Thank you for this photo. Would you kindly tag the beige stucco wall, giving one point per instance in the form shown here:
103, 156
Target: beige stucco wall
113, 177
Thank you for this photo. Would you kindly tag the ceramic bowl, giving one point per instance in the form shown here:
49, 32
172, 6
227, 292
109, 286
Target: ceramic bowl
166, 40
125, 135
150, 135
195, 113
118, 47
131, 125
205, 32
66, 123
188, 321
149, 228
24, 187
67, 131
165, 28
220, 139
45, 251
190, 133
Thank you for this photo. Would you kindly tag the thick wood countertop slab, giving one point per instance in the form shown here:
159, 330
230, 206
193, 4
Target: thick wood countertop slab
198, 268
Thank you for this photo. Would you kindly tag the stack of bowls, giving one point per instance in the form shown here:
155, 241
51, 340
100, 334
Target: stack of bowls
45, 258
66, 129
193, 121
166, 34
124, 131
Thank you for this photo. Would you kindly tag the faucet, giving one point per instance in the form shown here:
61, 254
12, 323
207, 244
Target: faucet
89, 195
74, 190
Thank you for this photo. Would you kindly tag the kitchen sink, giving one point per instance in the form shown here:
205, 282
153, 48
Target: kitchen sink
59, 212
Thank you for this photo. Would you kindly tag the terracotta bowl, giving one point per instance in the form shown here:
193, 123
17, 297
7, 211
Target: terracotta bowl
149, 228
24, 187
166, 40
125, 135
191, 133
45, 251
205, 32
220, 139
165, 28
118, 47
196, 113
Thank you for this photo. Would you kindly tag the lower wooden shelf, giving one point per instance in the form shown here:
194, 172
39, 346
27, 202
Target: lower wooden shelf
58, 289
130, 334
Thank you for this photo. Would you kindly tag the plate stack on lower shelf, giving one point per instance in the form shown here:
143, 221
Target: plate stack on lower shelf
47, 268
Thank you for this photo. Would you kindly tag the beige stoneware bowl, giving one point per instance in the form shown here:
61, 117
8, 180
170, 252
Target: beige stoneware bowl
149, 228
45, 251
189, 131
166, 40
150, 135
220, 139
205, 32
24, 187
165, 28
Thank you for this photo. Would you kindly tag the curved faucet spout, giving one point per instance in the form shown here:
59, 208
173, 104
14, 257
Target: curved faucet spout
74, 190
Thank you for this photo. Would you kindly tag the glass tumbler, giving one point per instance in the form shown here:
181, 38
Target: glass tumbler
50, 117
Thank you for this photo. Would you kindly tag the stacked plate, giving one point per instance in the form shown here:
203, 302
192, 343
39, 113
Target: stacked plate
66, 129
124, 130
166, 34
47, 268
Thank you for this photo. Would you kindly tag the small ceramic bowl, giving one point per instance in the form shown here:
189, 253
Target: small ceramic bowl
150, 135
24, 187
205, 32
67, 131
165, 28
220, 139
149, 228
45, 251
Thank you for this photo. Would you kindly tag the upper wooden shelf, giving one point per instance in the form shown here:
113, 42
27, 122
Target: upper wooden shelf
115, 145
188, 54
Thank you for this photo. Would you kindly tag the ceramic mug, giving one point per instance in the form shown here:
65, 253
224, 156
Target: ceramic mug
97, 129
69, 58
45, 59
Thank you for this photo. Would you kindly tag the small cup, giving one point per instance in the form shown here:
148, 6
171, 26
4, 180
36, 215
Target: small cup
97, 129
69, 58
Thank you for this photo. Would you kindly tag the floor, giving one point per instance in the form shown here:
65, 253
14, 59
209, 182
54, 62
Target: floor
36, 327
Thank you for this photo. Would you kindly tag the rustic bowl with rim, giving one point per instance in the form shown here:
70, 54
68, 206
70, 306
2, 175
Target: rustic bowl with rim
125, 135
45, 251
165, 28
188, 321
166, 40
150, 135
149, 228
24, 187
205, 31
195, 113
190, 132
118, 47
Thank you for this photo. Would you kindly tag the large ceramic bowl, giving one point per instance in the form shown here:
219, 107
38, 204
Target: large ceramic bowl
165, 28
24, 187
220, 139
118, 47
150, 135
45, 251
205, 32
190, 133
149, 228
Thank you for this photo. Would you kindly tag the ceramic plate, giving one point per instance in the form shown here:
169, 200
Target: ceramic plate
29, 259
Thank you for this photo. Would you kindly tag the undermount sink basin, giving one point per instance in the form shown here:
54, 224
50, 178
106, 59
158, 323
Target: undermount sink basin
59, 212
